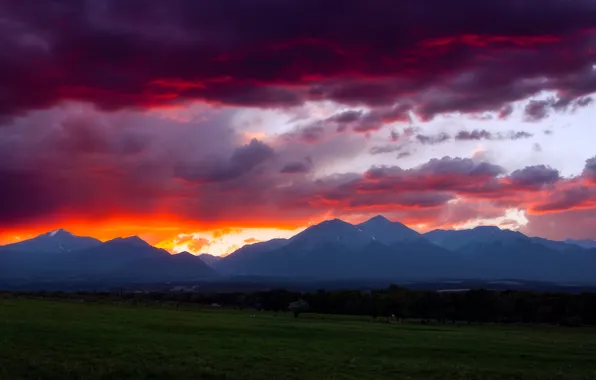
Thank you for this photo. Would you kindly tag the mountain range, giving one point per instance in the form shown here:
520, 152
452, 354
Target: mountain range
60, 255
331, 250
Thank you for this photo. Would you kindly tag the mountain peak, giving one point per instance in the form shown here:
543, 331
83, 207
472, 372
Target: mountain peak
132, 240
59, 232
387, 232
331, 231
332, 222
331, 226
378, 219
55, 241
487, 228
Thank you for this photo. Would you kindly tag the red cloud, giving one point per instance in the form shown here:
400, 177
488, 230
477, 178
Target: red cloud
437, 56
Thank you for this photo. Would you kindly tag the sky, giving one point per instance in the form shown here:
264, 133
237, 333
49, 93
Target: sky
204, 126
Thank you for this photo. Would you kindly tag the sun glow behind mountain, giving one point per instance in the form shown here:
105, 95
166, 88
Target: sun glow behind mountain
219, 241
173, 237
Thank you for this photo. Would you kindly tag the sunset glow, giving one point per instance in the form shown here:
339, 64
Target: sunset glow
117, 121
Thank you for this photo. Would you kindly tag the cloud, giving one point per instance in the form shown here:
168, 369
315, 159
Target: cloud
456, 165
574, 224
583, 102
310, 134
214, 169
191, 242
505, 112
567, 199
474, 135
380, 149
482, 134
433, 139
346, 117
424, 55
537, 175
202, 173
537, 110
363, 122
590, 169
296, 167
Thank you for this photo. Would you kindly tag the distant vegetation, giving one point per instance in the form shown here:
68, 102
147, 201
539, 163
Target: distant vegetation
391, 304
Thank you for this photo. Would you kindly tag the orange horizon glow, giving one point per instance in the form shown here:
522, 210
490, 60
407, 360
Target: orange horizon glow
175, 235
153, 229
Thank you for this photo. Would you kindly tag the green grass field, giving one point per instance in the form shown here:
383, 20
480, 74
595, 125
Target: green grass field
59, 340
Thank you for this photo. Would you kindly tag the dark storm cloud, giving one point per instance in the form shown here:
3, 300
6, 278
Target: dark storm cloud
535, 176
438, 56
537, 110
21, 198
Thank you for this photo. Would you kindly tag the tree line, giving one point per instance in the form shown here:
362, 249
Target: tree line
473, 306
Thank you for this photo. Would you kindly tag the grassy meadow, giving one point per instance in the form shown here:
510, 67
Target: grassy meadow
62, 340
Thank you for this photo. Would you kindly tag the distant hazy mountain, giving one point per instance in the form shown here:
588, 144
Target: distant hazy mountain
123, 259
54, 242
208, 259
490, 252
553, 244
582, 243
183, 266
238, 261
466, 239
